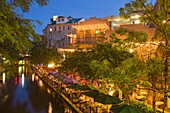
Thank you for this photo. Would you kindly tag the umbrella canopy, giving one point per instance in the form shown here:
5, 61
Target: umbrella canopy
125, 109
107, 99
73, 86
92, 93
84, 87
79, 87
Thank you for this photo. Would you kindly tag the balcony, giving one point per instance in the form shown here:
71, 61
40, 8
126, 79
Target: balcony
91, 40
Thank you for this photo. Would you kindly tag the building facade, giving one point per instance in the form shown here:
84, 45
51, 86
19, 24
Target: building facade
90, 31
117, 21
56, 32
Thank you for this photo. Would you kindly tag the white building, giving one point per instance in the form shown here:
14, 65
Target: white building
117, 21
57, 30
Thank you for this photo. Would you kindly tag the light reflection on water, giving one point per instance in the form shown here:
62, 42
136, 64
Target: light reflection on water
23, 79
3, 78
24, 94
50, 109
21, 98
33, 76
40, 83
49, 91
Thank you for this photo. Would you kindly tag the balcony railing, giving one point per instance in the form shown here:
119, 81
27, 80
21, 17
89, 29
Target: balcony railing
91, 40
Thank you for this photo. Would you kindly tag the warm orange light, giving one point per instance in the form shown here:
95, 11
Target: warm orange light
51, 65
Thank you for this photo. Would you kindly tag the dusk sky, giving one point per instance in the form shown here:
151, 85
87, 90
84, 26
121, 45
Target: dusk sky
74, 8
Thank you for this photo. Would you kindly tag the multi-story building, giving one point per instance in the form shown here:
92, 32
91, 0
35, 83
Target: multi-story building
56, 32
117, 21
66, 32
90, 31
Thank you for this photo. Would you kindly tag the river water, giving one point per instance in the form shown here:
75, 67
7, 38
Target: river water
24, 92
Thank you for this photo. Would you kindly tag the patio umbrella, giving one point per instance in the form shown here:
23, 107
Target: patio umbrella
73, 86
125, 109
107, 99
84, 87
80, 87
92, 93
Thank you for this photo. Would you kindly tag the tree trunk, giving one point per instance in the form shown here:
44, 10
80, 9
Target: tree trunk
154, 101
166, 74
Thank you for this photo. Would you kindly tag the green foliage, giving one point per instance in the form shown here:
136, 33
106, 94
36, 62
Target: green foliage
158, 17
155, 68
155, 65
128, 74
78, 62
109, 61
143, 107
42, 55
101, 69
9, 50
24, 5
138, 37
15, 28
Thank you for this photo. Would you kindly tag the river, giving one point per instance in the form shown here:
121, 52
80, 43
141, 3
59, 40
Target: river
24, 92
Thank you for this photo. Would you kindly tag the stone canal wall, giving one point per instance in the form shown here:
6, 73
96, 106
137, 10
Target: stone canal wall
57, 90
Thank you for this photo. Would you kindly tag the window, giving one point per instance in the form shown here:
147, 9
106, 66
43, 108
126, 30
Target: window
68, 27
69, 40
62, 19
55, 28
133, 22
63, 27
59, 28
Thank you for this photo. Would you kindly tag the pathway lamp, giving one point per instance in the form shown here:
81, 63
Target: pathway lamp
51, 65
131, 50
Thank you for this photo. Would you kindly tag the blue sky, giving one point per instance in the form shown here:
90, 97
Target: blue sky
74, 8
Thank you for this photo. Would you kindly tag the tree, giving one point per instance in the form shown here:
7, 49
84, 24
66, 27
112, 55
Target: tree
119, 66
111, 61
78, 63
42, 55
157, 16
8, 49
14, 26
